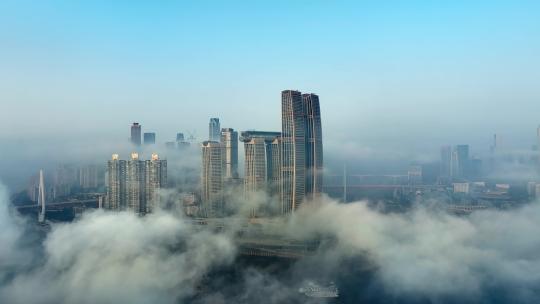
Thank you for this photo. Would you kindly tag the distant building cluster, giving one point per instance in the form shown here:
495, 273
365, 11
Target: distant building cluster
149, 138
68, 180
135, 184
286, 165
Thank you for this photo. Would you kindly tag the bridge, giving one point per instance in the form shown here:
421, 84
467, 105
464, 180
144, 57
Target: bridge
86, 203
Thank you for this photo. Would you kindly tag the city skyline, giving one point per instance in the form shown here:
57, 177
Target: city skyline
392, 66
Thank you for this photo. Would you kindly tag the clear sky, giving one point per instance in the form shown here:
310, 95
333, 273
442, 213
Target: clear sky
392, 73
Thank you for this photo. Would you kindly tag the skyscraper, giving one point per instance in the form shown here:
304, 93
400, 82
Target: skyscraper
136, 134
155, 179
463, 160
229, 141
214, 130
149, 138
262, 165
446, 162
116, 190
314, 148
135, 184
293, 150
212, 178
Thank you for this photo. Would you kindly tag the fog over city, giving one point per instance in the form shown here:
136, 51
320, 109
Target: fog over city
279, 152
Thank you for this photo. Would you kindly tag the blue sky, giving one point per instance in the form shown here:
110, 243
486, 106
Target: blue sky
389, 73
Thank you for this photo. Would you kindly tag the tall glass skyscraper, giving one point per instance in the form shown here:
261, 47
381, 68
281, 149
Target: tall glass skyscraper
293, 150
314, 147
229, 140
214, 129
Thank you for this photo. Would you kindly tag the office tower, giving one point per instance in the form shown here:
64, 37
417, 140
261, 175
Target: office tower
135, 184
229, 141
293, 148
446, 162
136, 134
149, 138
156, 179
262, 165
214, 130
462, 160
116, 189
314, 148
212, 178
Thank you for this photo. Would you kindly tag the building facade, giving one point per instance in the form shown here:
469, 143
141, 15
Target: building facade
134, 184
229, 141
314, 148
155, 179
293, 151
116, 190
212, 179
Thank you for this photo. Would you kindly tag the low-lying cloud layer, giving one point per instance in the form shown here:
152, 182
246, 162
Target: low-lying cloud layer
420, 256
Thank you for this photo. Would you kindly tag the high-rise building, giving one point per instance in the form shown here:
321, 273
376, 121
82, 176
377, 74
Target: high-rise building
314, 147
214, 128
135, 184
156, 179
262, 163
446, 162
463, 160
149, 138
136, 134
181, 143
229, 141
293, 150
212, 178
116, 189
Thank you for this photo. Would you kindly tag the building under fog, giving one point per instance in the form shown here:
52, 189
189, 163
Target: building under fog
229, 142
134, 184
212, 178
155, 179
149, 138
262, 162
116, 188
293, 151
136, 134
